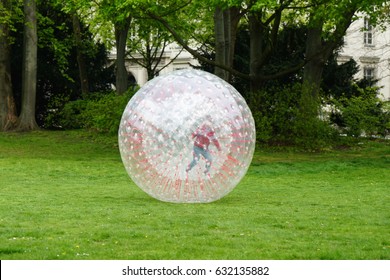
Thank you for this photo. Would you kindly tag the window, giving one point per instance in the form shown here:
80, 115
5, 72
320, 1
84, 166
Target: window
369, 74
368, 32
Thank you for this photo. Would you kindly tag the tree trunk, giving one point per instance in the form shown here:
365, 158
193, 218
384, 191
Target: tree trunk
263, 39
149, 60
121, 32
8, 118
312, 73
29, 75
80, 57
318, 52
225, 28
256, 32
220, 47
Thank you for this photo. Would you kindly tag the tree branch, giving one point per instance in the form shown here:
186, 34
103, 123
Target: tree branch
234, 72
193, 52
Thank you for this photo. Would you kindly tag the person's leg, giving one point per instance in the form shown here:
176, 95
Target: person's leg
195, 160
206, 154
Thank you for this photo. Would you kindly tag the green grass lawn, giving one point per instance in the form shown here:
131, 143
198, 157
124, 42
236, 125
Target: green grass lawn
64, 196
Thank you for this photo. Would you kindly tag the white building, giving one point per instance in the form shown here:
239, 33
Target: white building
370, 48
173, 58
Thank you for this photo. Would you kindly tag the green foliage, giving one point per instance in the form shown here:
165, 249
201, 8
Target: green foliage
337, 78
288, 116
58, 79
310, 129
100, 112
104, 114
11, 12
362, 114
55, 36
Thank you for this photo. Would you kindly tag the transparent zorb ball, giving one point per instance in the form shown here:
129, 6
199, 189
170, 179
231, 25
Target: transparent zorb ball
187, 137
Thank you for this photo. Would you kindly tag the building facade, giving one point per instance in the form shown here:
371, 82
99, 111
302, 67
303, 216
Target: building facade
370, 48
173, 58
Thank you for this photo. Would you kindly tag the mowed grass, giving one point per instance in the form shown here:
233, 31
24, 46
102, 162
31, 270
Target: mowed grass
64, 196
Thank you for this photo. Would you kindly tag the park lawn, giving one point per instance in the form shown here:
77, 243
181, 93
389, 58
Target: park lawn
64, 195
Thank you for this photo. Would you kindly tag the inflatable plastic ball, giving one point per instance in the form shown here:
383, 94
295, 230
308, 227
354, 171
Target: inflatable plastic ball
187, 137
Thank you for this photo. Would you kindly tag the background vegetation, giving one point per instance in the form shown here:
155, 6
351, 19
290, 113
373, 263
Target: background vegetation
281, 55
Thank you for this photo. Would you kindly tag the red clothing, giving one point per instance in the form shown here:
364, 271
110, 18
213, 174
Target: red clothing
204, 136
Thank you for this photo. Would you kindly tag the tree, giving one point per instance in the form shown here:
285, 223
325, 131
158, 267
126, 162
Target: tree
56, 70
62, 58
263, 29
121, 33
264, 25
185, 30
328, 22
84, 81
109, 15
8, 117
225, 28
337, 79
322, 42
27, 119
147, 44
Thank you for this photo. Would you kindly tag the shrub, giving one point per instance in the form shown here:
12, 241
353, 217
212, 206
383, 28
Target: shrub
288, 116
362, 114
273, 110
311, 129
104, 114
96, 111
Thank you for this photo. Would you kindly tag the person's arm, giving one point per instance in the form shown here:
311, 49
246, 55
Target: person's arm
214, 140
216, 143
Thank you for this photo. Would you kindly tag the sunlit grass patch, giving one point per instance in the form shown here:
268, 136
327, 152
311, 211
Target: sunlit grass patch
64, 195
